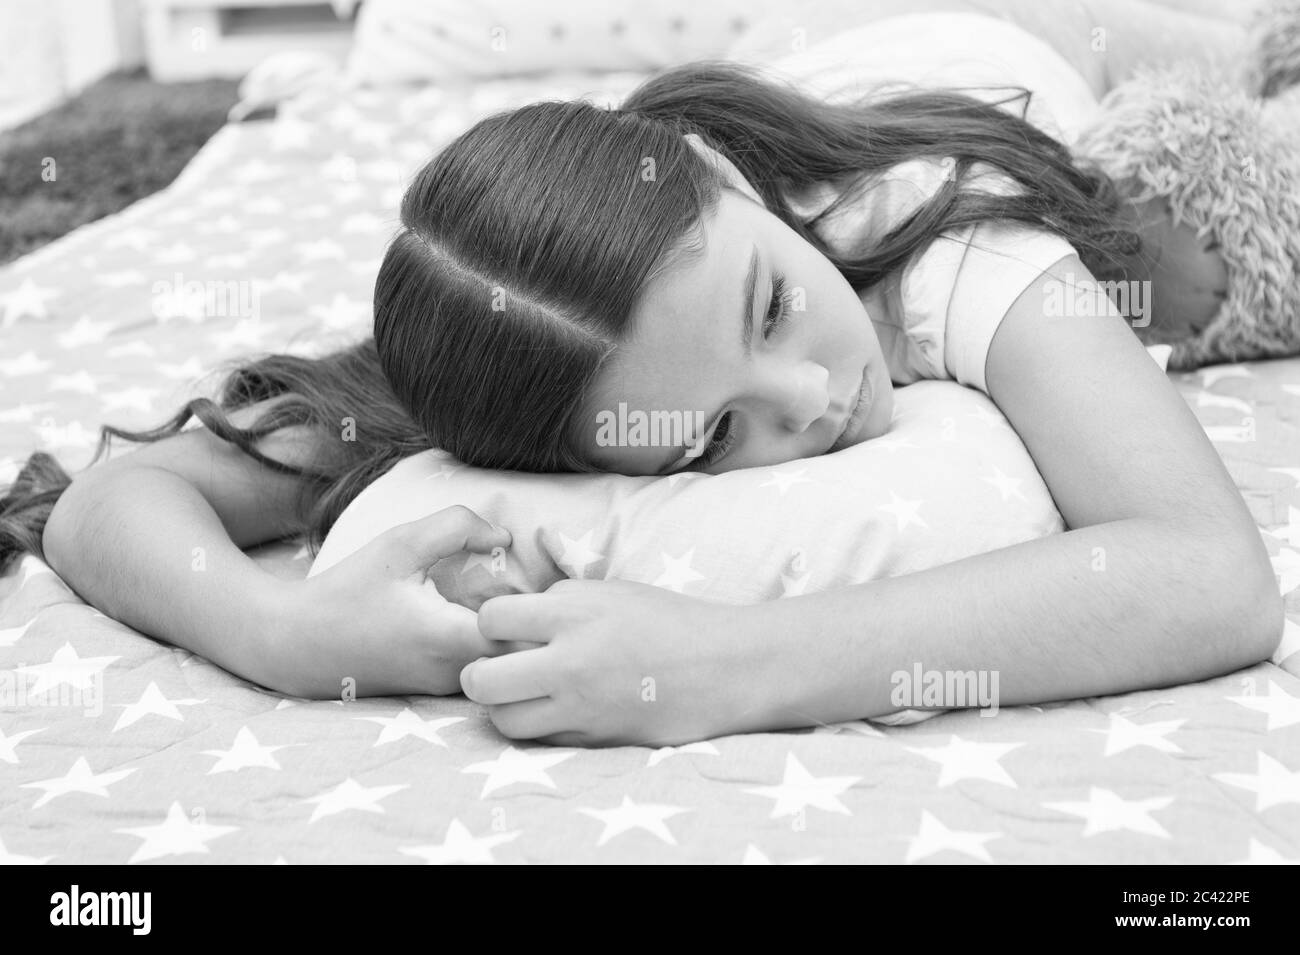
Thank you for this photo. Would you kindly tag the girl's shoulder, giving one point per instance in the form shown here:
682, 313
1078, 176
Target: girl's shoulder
880, 202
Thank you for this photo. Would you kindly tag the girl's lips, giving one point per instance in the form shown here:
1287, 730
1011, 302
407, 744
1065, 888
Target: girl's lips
855, 416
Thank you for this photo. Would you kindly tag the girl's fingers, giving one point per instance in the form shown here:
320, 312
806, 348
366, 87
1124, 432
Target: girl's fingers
424, 542
533, 618
530, 719
494, 681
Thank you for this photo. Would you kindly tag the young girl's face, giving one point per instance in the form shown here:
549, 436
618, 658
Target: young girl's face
759, 340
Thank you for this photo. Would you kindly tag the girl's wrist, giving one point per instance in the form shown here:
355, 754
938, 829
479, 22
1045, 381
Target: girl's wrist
276, 635
765, 690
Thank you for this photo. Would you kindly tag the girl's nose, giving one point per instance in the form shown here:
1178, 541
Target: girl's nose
805, 396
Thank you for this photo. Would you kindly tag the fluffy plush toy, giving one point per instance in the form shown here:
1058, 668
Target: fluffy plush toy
1224, 154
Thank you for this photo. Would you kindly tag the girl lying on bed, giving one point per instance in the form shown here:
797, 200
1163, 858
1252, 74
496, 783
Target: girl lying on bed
722, 244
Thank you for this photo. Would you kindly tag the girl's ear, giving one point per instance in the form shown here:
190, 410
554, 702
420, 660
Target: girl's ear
725, 167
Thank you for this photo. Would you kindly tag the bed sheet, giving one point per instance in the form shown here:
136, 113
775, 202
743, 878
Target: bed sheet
115, 748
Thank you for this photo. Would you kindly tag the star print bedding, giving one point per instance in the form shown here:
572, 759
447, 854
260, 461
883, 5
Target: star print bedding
115, 748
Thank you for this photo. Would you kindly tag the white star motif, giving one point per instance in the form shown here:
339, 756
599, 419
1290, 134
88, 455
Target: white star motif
319, 250
1290, 641
9, 744
1291, 532
121, 279
578, 554
246, 333
1286, 565
257, 237
678, 572
141, 399
1282, 708
905, 511
283, 281
177, 835
893, 443
84, 332
1212, 376
81, 381
256, 170
28, 300
25, 412
703, 747
244, 753
784, 480
131, 348
965, 759
71, 435
934, 837
1292, 473
408, 723
1124, 734
350, 794
1207, 399
135, 238
461, 846
77, 672
13, 858
630, 815
28, 363
1273, 784
175, 254
12, 635
190, 369
485, 562
78, 779
363, 222
1006, 485
1106, 812
151, 703
799, 789
517, 766
445, 471
342, 313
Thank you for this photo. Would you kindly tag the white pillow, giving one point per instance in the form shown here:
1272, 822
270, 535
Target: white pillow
428, 41
950, 479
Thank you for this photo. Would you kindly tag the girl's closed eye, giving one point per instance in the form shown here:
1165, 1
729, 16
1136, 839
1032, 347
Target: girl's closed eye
778, 309
724, 437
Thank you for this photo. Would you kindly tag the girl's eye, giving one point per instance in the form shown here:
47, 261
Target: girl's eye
723, 438
779, 309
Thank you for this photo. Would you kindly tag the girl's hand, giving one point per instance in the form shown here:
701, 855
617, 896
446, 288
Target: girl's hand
619, 663
374, 624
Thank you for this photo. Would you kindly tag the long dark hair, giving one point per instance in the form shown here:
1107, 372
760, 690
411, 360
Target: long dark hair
526, 242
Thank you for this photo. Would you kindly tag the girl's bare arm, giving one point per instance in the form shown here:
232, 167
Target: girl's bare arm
1162, 579
154, 538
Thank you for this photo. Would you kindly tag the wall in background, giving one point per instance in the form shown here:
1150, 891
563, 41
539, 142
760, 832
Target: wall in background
51, 49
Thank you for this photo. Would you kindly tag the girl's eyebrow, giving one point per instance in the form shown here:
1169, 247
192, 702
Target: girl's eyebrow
747, 291
747, 296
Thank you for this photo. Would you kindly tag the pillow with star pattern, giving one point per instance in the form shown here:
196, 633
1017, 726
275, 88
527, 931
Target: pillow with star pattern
950, 478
